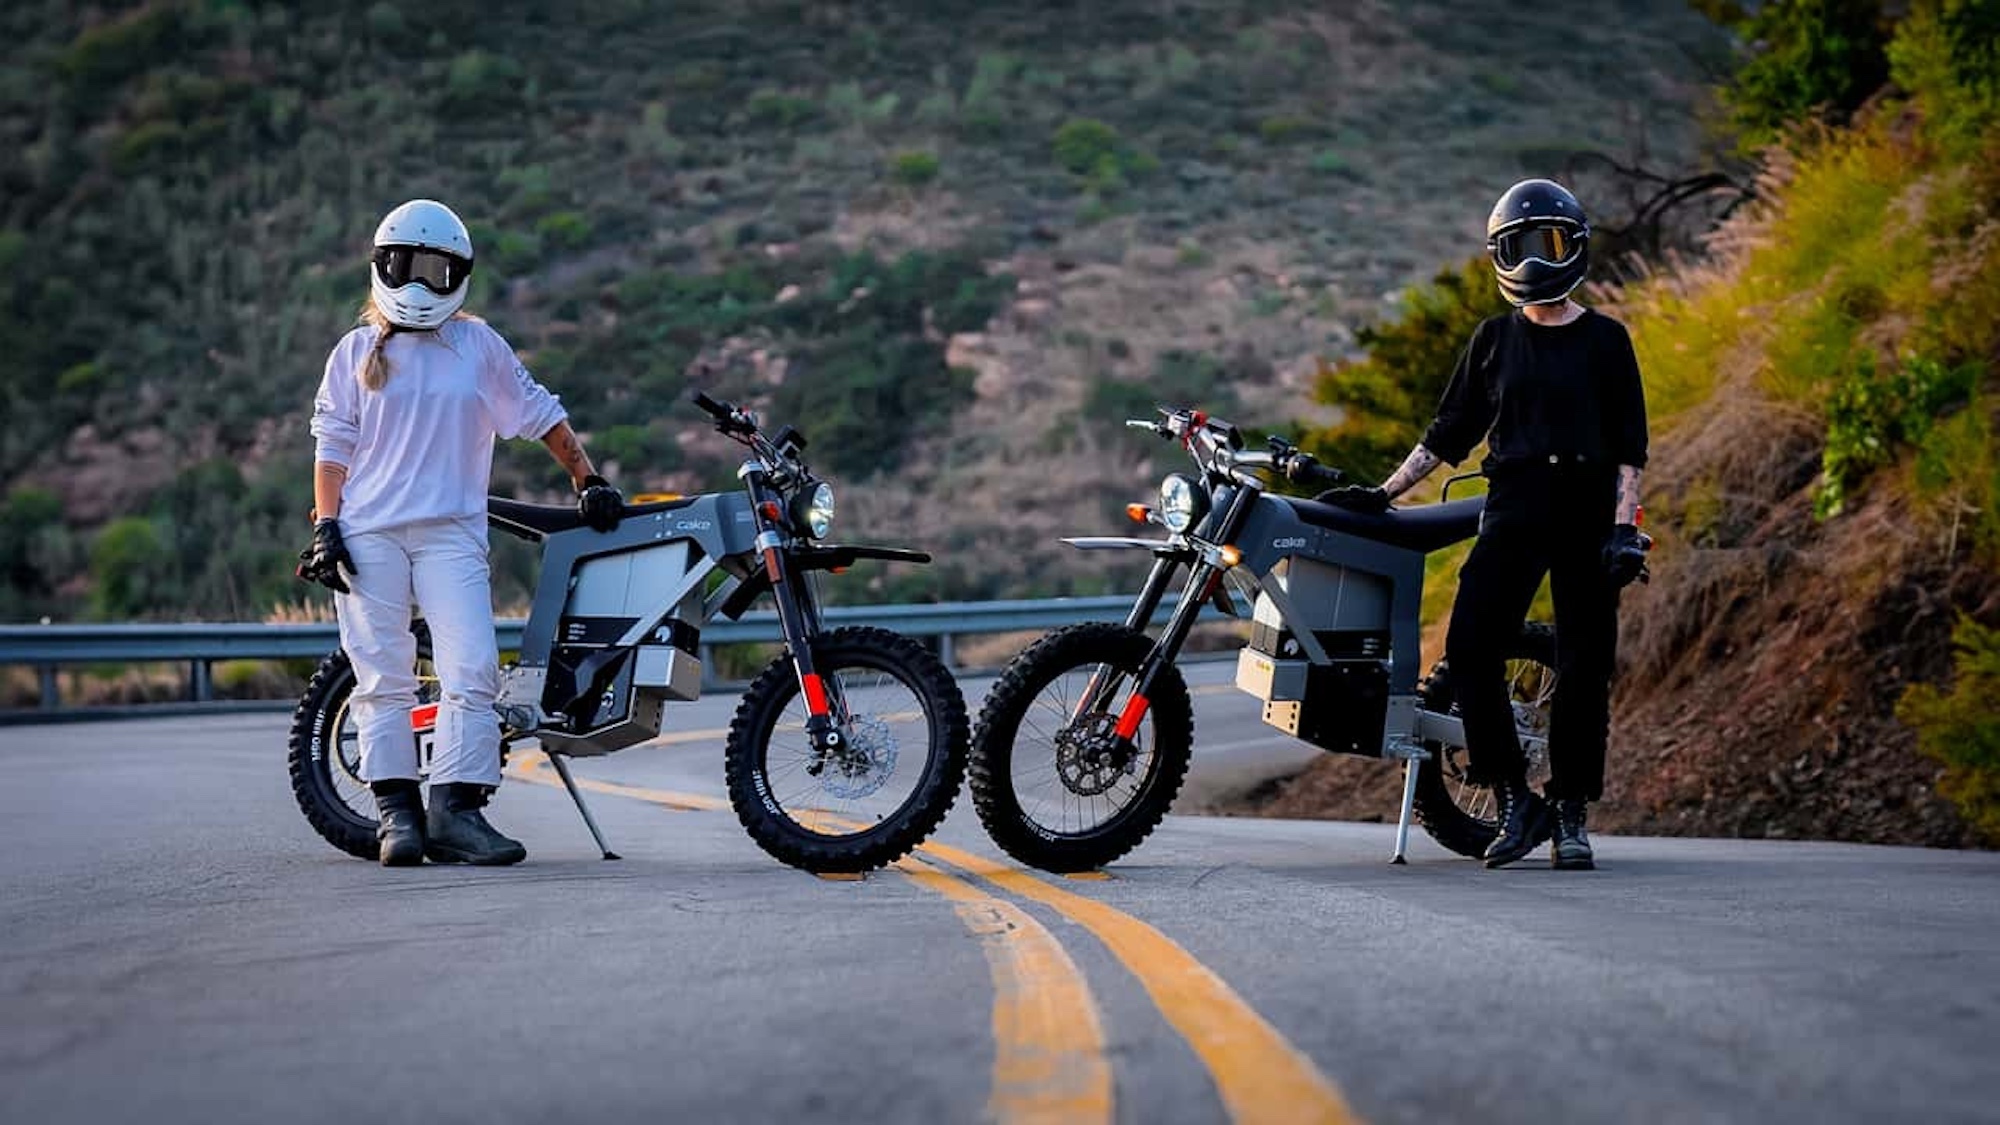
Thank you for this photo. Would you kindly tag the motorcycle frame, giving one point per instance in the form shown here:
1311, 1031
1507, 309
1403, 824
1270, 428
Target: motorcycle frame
1263, 531
740, 533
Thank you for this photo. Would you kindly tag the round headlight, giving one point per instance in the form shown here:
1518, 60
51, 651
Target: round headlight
818, 510
1182, 503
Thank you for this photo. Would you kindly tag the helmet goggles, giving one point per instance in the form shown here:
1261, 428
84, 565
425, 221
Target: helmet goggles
436, 270
1551, 243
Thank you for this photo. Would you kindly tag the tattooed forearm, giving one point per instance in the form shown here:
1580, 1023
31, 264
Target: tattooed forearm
329, 478
568, 452
1414, 468
1628, 495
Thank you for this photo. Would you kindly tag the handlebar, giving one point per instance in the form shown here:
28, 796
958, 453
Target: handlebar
728, 418
1218, 447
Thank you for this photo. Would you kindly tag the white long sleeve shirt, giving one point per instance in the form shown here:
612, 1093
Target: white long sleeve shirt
421, 448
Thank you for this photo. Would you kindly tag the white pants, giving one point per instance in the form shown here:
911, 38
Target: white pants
440, 566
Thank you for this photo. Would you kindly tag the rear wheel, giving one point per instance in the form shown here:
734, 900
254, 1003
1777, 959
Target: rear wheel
1458, 813
1058, 789
325, 752
886, 786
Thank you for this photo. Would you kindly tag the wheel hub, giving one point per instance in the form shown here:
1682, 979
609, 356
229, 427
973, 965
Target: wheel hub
863, 762
1090, 757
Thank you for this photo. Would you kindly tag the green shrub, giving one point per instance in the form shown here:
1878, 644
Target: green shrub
1871, 417
125, 573
1961, 727
1285, 128
914, 167
480, 83
564, 230
1809, 56
1388, 396
777, 109
1946, 53
1083, 144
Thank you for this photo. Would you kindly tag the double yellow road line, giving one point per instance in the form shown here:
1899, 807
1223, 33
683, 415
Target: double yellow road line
1049, 1059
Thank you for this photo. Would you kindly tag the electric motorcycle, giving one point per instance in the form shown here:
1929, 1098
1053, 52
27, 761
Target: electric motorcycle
845, 752
1085, 738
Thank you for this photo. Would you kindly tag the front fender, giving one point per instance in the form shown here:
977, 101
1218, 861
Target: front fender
813, 556
1165, 548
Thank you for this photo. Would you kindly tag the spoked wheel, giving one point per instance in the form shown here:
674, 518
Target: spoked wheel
1458, 813
1055, 785
325, 758
888, 783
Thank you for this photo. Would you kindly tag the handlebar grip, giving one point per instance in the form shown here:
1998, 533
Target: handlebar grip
1304, 469
719, 411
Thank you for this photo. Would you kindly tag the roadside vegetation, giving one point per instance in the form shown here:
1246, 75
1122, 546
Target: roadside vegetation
1823, 379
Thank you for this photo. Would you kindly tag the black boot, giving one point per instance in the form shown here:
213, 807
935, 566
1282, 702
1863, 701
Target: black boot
400, 805
459, 832
1571, 850
1523, 818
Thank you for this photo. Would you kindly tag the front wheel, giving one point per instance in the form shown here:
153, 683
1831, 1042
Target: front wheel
1055, 785
1458, 812
889, 782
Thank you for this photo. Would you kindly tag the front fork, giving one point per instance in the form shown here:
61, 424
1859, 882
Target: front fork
796, 616
1204, 576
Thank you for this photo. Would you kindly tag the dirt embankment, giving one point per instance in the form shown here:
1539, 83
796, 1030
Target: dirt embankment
1758, 673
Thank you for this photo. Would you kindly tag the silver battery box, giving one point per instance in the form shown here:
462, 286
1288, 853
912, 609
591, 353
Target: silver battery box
609, 695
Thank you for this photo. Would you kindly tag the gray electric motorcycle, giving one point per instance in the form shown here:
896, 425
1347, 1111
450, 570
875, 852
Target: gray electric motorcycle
846, 751
1085, 739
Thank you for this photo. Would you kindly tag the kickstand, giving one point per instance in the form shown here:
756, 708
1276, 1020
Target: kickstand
1409, 802
569, 783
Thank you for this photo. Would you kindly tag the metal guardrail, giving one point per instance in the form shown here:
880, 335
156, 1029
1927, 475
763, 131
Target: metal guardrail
47, 647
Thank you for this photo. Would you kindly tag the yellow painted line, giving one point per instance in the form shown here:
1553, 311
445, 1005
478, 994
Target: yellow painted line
1259, 1075
1049, 1066
841, 876
1089, 876
533, 765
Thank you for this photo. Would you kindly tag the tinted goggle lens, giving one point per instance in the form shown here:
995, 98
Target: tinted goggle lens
435, 270
1554, 245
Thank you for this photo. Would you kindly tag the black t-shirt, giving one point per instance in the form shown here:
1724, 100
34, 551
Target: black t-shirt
1544, 393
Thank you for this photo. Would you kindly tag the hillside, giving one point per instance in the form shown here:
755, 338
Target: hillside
1825, 486
958, 240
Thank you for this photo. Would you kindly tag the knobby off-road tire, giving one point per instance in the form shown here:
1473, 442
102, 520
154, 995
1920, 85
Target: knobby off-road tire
1440, 784
844, 658
315, 748
997, 747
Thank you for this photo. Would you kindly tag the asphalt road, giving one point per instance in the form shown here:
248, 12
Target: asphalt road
176, 945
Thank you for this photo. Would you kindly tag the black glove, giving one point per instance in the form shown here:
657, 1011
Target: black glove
1356, 498
321, 562
1624, 555
599, 503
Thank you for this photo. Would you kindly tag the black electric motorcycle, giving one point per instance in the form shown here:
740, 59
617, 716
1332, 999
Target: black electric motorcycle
1085, 739
845, 752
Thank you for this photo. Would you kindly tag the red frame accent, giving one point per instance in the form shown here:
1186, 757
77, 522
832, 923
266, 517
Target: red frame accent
424, 718
1128, 720
815, 693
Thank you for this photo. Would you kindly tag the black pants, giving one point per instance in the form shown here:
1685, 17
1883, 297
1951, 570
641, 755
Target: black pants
1538, 520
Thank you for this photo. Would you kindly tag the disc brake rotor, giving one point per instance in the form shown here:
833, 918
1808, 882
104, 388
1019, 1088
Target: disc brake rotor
864, 762
1089, 759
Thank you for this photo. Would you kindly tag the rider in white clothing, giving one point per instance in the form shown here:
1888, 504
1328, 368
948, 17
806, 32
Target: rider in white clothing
404, 422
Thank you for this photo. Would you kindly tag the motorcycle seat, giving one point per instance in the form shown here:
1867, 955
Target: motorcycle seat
1425, 527
547, 519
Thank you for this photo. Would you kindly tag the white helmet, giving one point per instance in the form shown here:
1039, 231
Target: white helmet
423, 254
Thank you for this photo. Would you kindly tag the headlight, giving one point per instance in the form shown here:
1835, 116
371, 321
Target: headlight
815, 510
1182, 503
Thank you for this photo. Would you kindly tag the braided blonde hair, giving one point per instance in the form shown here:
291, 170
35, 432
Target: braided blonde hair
375, 368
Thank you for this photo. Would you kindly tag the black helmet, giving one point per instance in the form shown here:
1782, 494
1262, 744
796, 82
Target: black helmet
1539, 242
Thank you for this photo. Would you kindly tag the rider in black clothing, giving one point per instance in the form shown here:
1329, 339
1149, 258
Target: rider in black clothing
1554, 390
